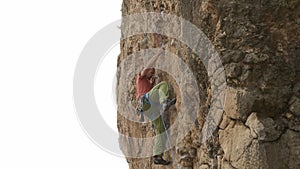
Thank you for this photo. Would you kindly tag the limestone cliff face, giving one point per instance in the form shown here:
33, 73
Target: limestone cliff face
259, 46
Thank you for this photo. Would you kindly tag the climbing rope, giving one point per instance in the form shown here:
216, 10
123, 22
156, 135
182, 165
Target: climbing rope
162, 45
169, 141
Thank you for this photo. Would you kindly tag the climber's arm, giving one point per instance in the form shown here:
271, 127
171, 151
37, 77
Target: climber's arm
151, 63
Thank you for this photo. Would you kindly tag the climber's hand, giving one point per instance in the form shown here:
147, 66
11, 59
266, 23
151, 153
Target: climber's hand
165, 107
161, 51
163, 47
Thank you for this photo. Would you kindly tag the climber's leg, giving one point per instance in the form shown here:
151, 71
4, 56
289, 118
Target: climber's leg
160, 141
159, 93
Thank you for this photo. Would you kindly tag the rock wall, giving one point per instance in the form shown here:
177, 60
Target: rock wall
259, 46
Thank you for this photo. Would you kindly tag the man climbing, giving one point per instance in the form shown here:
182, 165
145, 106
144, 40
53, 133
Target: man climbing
151, 101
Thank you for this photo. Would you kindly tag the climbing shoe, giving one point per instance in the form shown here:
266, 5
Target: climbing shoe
168, 104
160, 160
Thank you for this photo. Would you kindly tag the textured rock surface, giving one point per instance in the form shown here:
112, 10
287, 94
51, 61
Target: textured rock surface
259, 45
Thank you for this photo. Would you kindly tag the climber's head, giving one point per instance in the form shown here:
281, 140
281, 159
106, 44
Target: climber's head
150, 72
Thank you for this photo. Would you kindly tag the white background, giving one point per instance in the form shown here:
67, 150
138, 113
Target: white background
40, 42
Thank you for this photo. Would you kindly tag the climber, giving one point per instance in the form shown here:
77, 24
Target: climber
152, 100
